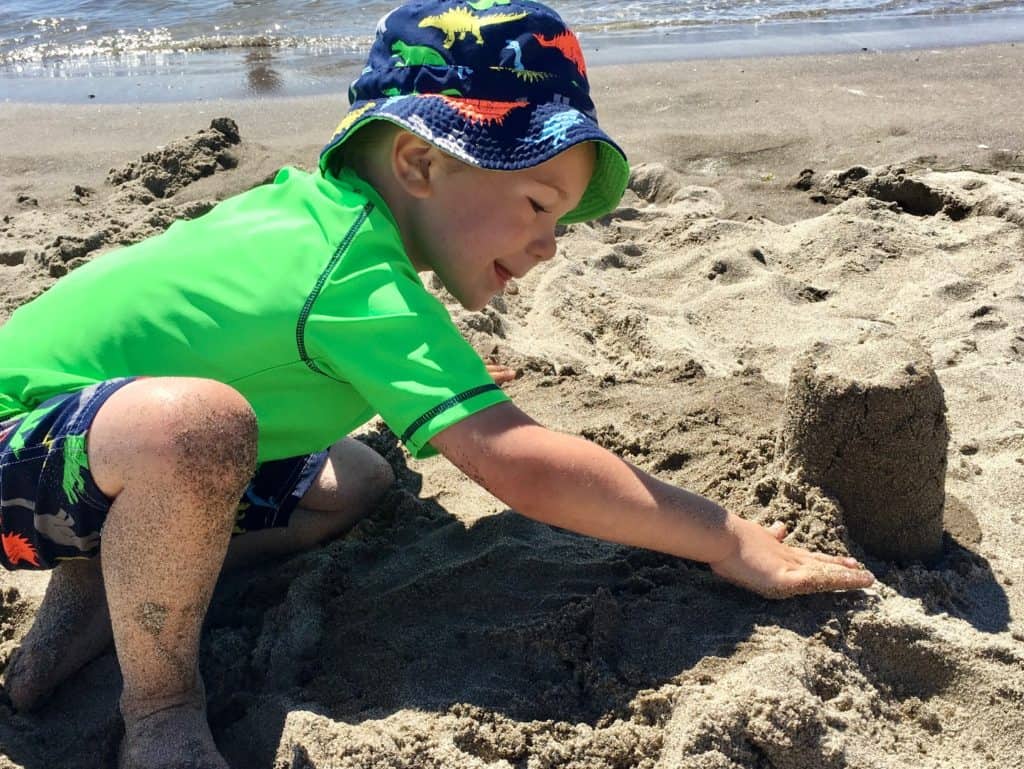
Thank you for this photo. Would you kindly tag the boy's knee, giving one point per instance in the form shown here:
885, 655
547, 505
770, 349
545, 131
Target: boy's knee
201, 426
354, 478
360, 470
194, 428
352, 481
380, 477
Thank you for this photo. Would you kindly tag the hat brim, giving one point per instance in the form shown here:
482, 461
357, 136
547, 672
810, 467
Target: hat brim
499, 136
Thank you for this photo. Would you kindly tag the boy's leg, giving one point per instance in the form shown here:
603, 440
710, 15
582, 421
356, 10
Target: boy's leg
352, 480
174, 455
72, 625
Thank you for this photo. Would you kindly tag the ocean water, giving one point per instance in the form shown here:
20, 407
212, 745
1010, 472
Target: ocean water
145, 50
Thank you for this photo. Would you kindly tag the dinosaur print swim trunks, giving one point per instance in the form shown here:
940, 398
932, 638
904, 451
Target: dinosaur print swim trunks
50, 507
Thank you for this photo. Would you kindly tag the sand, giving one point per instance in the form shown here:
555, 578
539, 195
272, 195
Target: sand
780, 203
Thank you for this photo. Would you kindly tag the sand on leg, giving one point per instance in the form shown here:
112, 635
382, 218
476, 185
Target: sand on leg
174, 455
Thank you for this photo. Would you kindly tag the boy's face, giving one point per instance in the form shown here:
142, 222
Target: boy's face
477, 229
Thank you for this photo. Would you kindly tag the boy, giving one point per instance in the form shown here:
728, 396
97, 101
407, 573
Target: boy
215, 362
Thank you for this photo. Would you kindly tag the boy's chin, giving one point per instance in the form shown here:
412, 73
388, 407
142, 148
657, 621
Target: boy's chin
470, 300
473, 303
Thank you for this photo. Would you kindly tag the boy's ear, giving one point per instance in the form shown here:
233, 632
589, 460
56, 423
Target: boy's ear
414, 163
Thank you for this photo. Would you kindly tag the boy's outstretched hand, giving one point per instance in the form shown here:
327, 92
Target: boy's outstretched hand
762, 563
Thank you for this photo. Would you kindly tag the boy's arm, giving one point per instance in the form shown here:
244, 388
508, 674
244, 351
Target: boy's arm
572, 483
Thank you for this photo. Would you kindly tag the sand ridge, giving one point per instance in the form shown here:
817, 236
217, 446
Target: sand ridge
446, 631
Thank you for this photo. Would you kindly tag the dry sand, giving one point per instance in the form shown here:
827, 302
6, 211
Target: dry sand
447, 631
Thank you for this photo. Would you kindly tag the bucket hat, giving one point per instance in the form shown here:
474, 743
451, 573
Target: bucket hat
498, 84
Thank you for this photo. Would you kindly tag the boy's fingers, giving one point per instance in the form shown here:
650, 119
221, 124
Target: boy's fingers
778, 530
824, 577
843, 560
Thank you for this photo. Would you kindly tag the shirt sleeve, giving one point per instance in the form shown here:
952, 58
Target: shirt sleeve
376, 328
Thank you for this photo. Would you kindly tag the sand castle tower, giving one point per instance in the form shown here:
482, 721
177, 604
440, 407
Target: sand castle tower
866, 422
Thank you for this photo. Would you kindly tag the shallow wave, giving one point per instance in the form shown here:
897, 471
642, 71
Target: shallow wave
160, 41
890, 9
682, 16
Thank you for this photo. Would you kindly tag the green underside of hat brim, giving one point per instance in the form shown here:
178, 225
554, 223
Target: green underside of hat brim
611, 174
608, 182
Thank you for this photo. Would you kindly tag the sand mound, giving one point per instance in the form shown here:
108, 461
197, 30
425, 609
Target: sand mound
168, 170
38, 246
927, 193
446, 631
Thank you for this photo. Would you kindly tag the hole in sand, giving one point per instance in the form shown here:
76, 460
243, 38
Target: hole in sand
903, 661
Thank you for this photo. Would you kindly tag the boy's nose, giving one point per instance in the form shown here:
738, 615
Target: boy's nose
543, 248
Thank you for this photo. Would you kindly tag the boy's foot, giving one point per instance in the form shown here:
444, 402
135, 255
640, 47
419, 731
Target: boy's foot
177, 737
71, 628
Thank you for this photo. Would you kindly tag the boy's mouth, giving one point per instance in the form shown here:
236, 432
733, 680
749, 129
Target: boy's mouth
503, 275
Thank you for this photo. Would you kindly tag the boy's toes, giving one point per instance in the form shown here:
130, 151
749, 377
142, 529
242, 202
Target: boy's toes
23, 682
44, 661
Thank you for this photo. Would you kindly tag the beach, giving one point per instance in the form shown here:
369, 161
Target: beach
776, 203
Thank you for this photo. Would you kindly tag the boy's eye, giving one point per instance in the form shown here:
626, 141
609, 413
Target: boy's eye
538, 207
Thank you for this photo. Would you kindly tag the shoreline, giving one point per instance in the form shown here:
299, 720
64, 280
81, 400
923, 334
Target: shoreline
717, 121
822, 37
273, 73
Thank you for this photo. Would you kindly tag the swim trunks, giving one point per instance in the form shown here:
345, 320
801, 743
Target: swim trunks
51, 508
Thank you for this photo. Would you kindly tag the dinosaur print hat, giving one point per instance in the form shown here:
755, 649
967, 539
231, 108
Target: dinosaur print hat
499, 84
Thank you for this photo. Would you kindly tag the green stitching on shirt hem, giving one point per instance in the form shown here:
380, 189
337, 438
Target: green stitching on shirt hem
444, 406
300, 328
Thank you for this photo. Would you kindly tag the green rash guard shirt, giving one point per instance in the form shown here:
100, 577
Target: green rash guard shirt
298, 294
